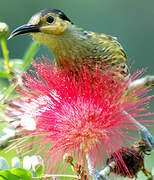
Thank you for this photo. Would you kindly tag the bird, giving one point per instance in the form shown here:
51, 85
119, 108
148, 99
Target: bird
54, 29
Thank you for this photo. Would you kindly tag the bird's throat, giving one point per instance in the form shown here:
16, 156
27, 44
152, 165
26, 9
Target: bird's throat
73, 44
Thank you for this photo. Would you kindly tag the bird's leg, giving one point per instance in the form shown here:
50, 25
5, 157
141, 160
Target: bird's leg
141, 83
145, 134
92, 171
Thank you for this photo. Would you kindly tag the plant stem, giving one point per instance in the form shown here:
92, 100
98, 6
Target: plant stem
58, 175
5, 75
8, 92
6, 55
141, 83
27, 60
30, 54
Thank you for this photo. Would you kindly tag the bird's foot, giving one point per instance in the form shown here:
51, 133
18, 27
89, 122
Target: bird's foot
98, 176
145, 134
147, 137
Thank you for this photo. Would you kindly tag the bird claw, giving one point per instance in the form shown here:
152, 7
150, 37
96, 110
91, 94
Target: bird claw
100, 177
147, 137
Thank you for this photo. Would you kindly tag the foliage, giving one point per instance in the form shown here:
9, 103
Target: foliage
32, 167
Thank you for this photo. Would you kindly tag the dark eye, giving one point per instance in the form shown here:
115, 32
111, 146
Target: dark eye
50, 19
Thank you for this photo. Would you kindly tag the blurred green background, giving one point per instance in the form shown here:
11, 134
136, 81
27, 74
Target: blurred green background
131, 21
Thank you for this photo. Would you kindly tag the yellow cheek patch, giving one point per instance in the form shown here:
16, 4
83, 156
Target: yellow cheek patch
57, 28
61, 27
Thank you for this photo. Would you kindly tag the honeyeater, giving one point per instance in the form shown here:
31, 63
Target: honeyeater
54, 29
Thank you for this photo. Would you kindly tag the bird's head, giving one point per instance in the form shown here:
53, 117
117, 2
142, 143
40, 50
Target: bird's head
45, 24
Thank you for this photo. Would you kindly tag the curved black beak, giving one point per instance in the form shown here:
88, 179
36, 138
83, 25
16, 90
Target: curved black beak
24, 29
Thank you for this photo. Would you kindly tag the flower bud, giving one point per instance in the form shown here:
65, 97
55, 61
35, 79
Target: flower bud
3, 30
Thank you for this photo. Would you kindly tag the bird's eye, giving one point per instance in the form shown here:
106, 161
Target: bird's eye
50, 19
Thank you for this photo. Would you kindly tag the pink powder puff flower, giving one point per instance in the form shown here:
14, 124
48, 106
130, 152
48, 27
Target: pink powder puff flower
75, 111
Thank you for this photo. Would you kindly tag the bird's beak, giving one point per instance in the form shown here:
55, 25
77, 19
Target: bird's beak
24, 29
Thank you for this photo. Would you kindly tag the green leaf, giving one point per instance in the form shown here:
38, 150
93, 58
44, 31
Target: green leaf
7, 175
4, 74
39, 170
22, 173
